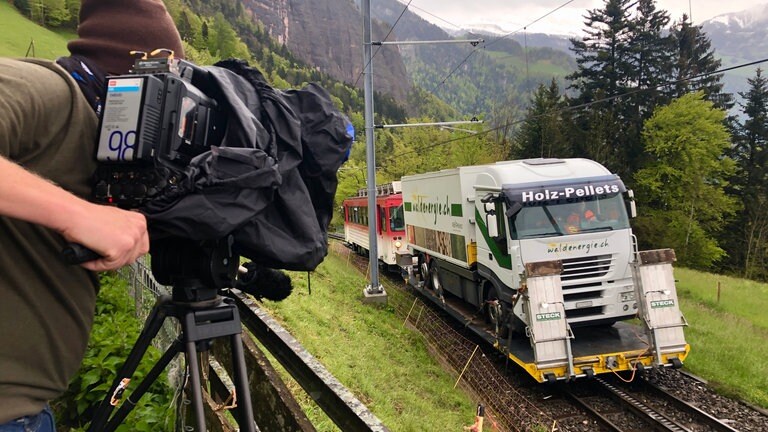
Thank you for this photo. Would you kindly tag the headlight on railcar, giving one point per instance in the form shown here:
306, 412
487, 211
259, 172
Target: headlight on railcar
398, 245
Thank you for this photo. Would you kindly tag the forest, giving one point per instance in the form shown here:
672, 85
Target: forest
645, 99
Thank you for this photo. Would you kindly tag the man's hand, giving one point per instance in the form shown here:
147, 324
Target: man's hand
119, 236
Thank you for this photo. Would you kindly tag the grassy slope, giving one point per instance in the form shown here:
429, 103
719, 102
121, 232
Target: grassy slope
19, 35
367, 348
364, 346
729, 337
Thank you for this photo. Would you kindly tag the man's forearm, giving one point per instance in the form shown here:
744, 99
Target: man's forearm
29, 197
119, 236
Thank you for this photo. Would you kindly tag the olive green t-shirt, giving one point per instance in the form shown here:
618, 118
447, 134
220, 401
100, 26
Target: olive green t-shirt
46, 306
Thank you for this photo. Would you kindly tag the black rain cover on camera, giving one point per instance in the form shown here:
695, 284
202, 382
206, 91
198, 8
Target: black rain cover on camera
271, 183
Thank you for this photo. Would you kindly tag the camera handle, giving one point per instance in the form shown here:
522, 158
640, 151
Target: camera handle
201, 322
74, 253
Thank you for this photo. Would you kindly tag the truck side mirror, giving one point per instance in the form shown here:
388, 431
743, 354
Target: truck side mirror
491, 223
630, 202
490, 220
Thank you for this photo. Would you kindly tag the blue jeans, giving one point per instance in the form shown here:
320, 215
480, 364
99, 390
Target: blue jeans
42, 422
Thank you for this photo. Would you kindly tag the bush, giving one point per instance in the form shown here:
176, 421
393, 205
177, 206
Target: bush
114, 332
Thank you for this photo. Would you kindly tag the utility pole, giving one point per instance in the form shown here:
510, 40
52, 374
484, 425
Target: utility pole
373, 293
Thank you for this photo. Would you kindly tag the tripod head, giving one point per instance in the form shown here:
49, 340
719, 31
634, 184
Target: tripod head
195, 270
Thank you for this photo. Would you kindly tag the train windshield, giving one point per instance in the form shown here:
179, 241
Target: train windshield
396, 219
565, 217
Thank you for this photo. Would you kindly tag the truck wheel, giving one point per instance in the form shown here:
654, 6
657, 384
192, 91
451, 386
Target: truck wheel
424, 272
434, 280
494, 313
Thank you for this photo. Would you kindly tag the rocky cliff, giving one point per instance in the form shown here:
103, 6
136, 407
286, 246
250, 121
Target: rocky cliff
329, 35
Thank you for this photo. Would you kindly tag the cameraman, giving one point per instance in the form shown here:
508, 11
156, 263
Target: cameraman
48, 130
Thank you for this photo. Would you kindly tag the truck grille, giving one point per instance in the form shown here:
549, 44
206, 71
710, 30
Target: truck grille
586, 267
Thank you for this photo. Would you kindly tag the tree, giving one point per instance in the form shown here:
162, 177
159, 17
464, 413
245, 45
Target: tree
186, 31
602, 56
696, 64
543, 133
748, 235
73, 8
468, 148
412, 150
23, 7
651, 62
49, 13
604, 69
684, 186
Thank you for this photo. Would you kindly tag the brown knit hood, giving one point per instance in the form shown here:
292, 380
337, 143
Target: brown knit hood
110, 29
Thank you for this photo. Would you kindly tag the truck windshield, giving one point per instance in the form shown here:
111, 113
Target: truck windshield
566, 217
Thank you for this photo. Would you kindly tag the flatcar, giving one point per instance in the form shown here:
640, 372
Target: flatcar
390, 224
543, 248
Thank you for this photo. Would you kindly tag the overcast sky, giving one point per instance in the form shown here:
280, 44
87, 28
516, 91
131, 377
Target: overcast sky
513, 15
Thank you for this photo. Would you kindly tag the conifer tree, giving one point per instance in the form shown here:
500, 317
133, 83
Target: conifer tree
604, 66
696, 64
543, 133
747, 238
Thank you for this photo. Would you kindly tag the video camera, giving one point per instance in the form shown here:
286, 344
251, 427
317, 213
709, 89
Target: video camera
215, 154
155, 120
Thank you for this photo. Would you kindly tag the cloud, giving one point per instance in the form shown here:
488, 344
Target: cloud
545, 17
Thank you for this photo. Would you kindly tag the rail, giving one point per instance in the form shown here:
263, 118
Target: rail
646, 412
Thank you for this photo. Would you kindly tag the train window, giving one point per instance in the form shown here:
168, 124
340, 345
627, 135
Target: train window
396, 218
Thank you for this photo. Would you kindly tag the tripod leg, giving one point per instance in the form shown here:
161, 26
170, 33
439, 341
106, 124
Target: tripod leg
195, 385
142, 388
152, 325
241, 385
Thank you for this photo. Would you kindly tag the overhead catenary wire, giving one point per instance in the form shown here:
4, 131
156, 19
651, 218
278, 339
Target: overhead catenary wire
385, 38
497, 40
435, 16
580, 106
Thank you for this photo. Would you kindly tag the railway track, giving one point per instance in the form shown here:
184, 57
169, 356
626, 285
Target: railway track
603, 403
649, 407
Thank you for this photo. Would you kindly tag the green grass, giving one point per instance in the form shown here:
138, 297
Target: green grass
367, 348
389, 369
729, 337
539, 67
22, 38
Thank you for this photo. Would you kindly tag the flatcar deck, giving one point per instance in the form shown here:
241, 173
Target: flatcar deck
595, 349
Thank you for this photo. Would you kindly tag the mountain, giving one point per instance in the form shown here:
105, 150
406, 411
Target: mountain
738, 38
473, 78
328, 34
741, 36
538, 40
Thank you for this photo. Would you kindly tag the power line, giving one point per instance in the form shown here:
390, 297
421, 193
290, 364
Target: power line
435, 16
498, 39
584, 105
385, 38
530, 24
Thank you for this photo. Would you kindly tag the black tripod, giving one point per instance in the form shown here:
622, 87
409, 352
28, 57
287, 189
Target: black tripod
204, 316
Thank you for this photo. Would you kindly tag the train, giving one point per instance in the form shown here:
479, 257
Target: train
389, 223
538, 257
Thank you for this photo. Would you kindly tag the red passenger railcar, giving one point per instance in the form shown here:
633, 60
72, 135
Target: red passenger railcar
389, 223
